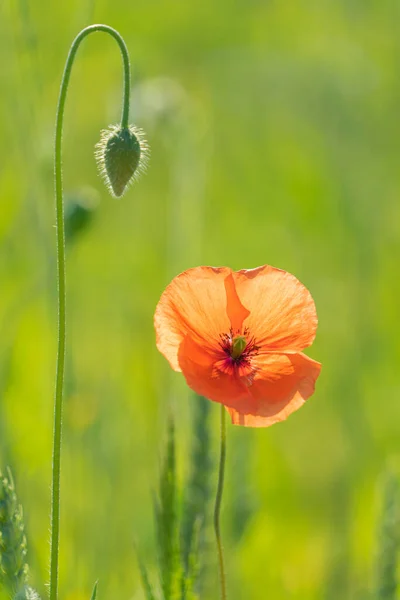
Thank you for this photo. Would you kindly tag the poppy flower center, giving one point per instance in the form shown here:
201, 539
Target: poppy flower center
239, 343
238, 348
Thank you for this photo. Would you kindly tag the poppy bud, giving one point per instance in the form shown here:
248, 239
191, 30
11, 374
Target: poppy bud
80, 209
238, 345
122, 154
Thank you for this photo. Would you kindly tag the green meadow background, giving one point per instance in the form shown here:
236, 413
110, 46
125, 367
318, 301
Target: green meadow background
275, 138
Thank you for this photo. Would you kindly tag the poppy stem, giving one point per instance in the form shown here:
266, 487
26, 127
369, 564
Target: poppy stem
61, 280
218, 500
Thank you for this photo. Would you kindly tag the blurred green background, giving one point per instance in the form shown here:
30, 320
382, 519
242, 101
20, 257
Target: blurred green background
275, 138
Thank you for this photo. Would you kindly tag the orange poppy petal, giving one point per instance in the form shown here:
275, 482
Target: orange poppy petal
198, 368
235, 310
282, 311
200, 302
282, 384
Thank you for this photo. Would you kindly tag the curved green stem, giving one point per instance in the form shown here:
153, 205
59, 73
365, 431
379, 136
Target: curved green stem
218, 500
55, 498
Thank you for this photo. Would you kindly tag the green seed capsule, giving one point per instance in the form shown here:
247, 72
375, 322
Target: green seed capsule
239, 343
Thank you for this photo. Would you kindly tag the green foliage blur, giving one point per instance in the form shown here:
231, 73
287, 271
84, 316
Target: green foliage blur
275, 138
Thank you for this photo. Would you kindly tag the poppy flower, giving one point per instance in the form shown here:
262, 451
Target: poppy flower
238, 336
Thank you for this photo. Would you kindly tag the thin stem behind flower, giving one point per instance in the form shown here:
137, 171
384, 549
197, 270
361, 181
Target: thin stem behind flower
55, 499
218, 500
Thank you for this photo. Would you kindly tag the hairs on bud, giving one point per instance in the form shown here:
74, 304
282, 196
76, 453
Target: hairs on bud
122, 154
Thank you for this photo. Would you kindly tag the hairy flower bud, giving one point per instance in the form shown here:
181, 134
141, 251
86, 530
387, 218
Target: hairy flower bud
122, 154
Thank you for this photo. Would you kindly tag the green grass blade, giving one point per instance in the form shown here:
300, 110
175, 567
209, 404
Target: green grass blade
191, 573
166, 519
27, 593
94, 593
147, 587
13, 546
389, 541
198, 489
